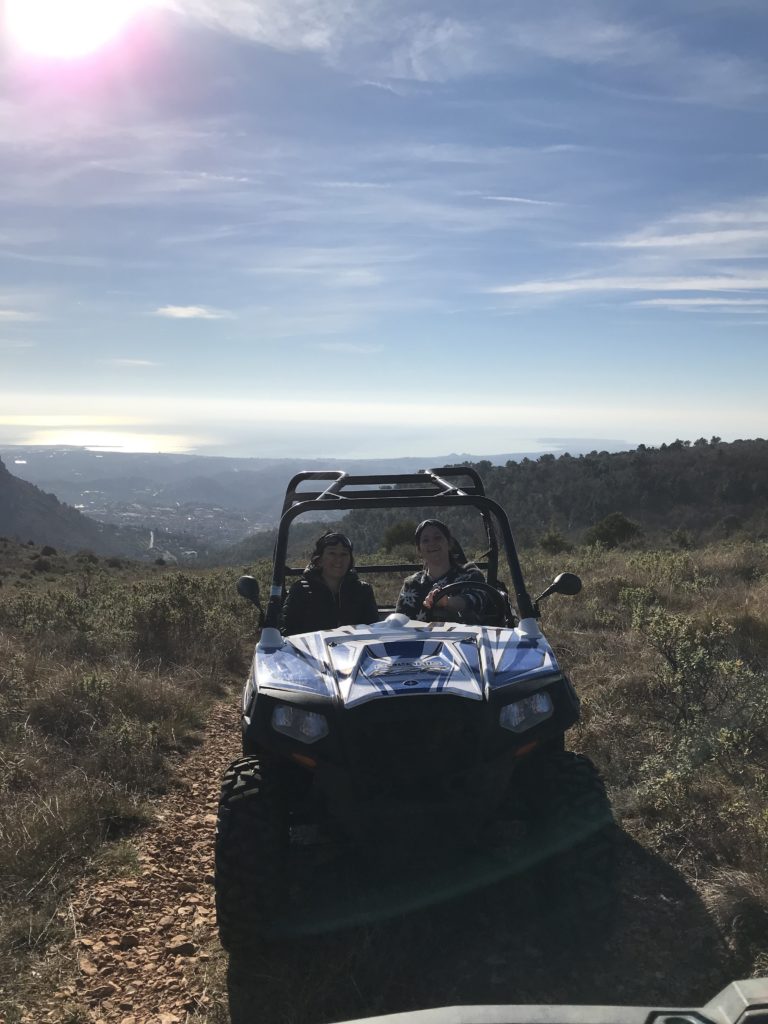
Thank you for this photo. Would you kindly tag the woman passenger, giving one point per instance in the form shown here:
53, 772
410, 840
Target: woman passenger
329, 593
435, 544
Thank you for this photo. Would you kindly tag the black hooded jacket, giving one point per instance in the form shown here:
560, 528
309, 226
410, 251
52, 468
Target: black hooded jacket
311, 605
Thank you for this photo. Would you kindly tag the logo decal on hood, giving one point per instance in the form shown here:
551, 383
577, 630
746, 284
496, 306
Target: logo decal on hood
398, 666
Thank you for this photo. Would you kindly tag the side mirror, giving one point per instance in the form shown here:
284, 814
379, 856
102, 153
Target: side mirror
248, 587
565, 583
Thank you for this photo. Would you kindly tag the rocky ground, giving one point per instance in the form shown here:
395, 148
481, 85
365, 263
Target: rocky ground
141, 944
143, 933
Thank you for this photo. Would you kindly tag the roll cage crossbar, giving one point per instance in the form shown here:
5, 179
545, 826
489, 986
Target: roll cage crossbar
429, 487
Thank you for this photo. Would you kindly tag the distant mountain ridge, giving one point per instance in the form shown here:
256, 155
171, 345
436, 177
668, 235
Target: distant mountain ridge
253, 486
707, 488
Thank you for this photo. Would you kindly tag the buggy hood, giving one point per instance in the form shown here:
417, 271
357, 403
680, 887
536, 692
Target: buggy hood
356, 664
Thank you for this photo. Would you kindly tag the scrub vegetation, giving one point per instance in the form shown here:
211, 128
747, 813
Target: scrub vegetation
106, 669
669, 653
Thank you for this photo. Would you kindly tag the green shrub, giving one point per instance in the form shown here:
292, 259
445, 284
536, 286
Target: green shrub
698, 682
174, 619
399, 535
554, 542
615, 529
682, 539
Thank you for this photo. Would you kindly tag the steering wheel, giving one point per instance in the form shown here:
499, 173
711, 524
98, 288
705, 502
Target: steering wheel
498, 610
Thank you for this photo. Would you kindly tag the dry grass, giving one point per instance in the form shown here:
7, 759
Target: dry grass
102, 673
669, 651
739, 902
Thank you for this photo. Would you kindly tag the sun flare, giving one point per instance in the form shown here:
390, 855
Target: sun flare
67, 28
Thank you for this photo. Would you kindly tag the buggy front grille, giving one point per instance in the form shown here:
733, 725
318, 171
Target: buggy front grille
413, 747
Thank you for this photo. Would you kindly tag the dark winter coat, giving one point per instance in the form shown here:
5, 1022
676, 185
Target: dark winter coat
311, 605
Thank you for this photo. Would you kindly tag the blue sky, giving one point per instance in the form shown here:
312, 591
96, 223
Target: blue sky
372, 227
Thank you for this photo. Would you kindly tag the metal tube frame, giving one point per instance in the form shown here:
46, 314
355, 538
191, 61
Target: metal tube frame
431, 487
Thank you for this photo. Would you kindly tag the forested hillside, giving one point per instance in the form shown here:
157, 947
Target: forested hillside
698, 487
26, 512
682, 493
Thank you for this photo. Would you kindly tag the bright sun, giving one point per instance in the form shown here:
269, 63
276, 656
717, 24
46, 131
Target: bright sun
67, 28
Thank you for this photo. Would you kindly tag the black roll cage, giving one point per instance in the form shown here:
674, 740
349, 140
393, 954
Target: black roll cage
433, 487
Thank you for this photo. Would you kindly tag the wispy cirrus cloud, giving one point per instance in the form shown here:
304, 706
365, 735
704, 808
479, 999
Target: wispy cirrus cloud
665, 257
708, 305
17, 315
354, 184
337, 277
320, 26
638, 283
733, 231
435, 48
656, 60
747, 211
55, 152
333, 266
396, 42
137, 363
743, 237
193, 313
16, 343
353, 348
390, 41
523, 200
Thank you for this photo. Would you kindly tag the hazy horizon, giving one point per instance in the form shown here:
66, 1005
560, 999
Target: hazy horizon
529, 446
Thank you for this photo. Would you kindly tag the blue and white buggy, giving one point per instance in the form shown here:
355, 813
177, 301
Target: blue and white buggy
406, 736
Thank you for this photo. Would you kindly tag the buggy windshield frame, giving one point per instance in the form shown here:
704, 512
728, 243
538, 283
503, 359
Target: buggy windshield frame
440, 488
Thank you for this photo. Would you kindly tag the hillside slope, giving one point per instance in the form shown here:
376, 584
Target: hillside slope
27, 513
702, 487
695, 493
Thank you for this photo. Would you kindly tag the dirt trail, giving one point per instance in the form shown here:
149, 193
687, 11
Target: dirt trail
144, 943
139, 955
